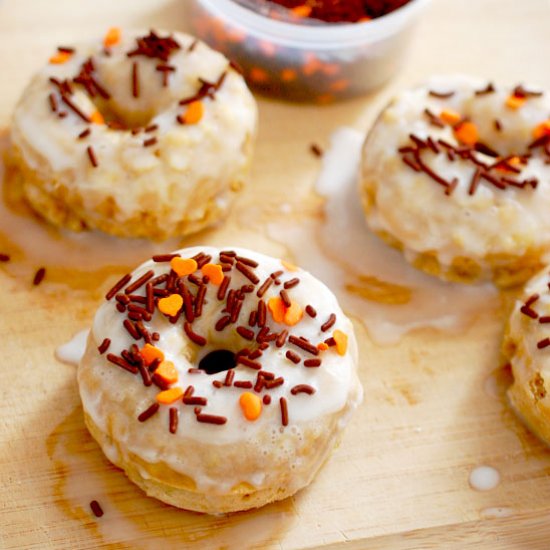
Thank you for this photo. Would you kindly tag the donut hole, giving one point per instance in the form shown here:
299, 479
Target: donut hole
217, 360
119, 118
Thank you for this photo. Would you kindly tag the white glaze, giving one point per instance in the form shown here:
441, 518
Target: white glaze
73, 351
344, 237
484, 478
415, 210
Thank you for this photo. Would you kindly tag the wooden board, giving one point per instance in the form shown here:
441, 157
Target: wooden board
400, 476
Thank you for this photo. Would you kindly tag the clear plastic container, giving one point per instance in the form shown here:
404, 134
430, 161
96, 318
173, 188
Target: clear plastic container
319, 63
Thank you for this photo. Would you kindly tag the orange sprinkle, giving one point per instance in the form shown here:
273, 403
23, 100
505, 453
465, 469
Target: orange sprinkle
171, 304
301, 11
515, 102
542, 129
183, 266
450, 117
311, 65
97, 118
341, 340
251, 405
194, 113
150, 353
293, 314
167, 372
268, 48
112, 37
364, 19
213, 272
60, 57
287, 75
321, 346
339, 85
258, 75
288, 266
466, 132
277, 309
167, 397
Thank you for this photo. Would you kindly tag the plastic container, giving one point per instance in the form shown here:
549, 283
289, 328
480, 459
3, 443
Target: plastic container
303, 62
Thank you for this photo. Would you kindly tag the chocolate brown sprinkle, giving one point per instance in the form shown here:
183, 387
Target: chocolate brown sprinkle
264, 287
84, 134
120, 362
53, 102
489, 89
229, 377
91, 156
266, 399
292, 283
329, 323
302, 388
96, 508
433, 119
262, 313
498, 125
135, 80
441, 95
293, 356
131, 328
247, 272
252, 318
145, 375
285, 298
543, 343
217, 384
174, 417
74, 108
303, 344
39, 276
149, 412
284, 411
222, 323
310, 310
312, 363
139, 282
246, 261
223, 287
149, 142
193, 336
5, 257
155, 46
246, 333
270, 384
244, 384
241, 360
104, 346
211, 419
316, 150
544, 319
281, 338
152, 128
194, 400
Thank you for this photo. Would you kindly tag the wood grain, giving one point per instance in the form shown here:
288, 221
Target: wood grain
400, 476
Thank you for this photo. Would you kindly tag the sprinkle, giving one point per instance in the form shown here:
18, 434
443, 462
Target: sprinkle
543, 343
293, 356
281, 338
264, 287
155, 46
262, 313
341, 340
39, 276
149, 142
441, 95
246, 333
96, 508
247, 261
310, 310
515, 102
132, 330
211, 419
285, 298
433, 119
91, 156
466, 132
498, 125
302, 388
489, 89
544, 319
475, 182
293, 314
167, 372
139, 282
276, 308
267, 399
193, 336
74, 108
167, 397
148, 413
450, 117
183, 266
84, 134
112, 37
322, 346
159, 258
118, 286
251, 405
316, 150
312, 363
135, 80
292, 283
303, 344
284, 411
174, 417
104, 346
248, 273
193, 114
245, 384
153, 128
4, 257
329, 323
97, 118
222, 323
195, 399
241, 360
145, 375
60, 57
229, 377
214, 273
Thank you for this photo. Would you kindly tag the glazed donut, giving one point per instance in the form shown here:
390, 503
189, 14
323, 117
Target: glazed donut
455, 173
526, 347
218, 380
138, 135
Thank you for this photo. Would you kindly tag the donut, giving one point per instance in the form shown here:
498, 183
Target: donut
137, 135
455, 173
526, 347
219, 380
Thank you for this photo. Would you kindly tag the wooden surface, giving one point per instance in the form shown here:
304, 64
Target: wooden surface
400, 477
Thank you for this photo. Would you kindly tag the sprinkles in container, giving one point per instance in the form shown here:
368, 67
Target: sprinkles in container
287, 53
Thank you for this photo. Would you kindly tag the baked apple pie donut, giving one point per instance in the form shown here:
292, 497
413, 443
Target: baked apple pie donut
527, 347
136, 135
456, 174
218, 380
